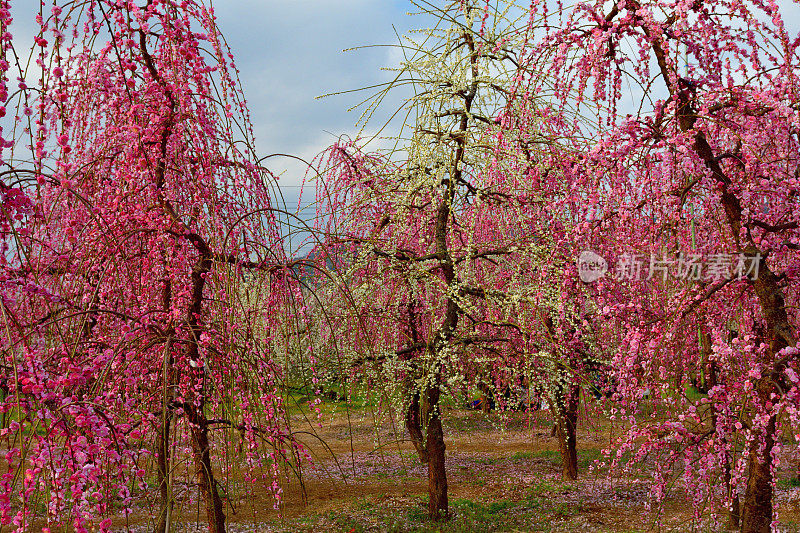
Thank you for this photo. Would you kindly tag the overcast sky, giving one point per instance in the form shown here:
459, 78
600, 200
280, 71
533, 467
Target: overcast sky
290, 52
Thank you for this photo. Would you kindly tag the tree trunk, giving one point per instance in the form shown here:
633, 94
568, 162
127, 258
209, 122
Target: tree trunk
206, 482
437, 477
163, 449
487, 398
414, 427
201, 452
757, 512
566, 431
733, 513
438, 508
162, 438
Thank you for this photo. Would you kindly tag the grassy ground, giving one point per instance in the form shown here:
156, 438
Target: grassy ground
503, 474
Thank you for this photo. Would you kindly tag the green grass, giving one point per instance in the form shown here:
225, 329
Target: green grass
463, 423
542, 488
488, 460
522, 456
471, 516
586, 458
693, 394
535, 513
788, 483
548, 455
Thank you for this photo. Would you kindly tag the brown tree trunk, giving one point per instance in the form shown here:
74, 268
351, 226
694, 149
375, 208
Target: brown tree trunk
414, 427
733, 513
757, 512
201, 452
162, 436
438, 508
566, 431
206, 482
437, 476
487, 398
163, 449
201, 455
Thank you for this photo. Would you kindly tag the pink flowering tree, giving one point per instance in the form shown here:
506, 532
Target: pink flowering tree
685, 172
15, 205
147, 279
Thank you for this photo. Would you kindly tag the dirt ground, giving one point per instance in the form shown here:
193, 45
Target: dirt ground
503, 475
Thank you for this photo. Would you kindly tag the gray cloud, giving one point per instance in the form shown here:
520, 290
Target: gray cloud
290, 52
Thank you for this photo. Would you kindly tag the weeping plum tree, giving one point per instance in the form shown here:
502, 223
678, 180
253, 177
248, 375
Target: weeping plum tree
693, 190
554, 314
126, 336
438, 246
